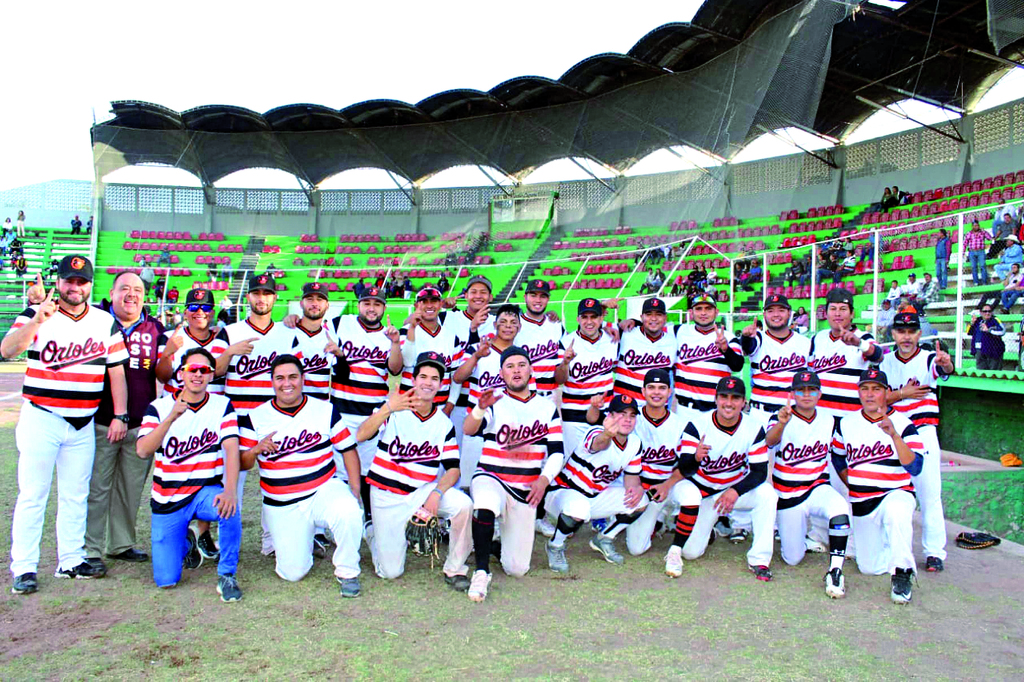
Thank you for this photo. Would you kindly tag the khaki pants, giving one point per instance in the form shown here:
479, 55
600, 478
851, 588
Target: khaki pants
115, 492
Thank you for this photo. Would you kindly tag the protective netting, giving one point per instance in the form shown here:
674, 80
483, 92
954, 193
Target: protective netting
1005, 22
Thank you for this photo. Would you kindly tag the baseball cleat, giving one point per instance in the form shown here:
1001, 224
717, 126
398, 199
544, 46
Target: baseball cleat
761, 573
901, 591
478, 586
738, 535
723, 527
350, 587
933, 564
459, 583
207, 547
544, 527
193, 557
814, 546
25, 583
83, 571
606, 546
674, 562
556, 558
835, 583
228, 589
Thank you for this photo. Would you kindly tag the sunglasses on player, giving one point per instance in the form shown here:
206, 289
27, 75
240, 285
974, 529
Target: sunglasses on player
197, 368
196, 307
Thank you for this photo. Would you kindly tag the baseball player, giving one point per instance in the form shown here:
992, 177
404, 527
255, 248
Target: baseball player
540, 335
424, 332
194, 438
876, 451
724, 462
704, 356
802, 437
313, 342
586, 369
522, 454
913, 372
649, 345
71, 347
469, 326
415, 441
293, 439
586, 487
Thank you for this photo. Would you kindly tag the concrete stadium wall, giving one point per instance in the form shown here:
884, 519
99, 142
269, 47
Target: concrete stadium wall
990, 501
984, 424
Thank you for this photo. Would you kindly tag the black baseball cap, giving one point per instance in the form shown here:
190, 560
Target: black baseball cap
777, 299
589, 305
657, 376
805, 378
731, 386
653, 305
480, 279
199, 297
839, 296
873, 375
264, 282
372, 293
75, 266
513, 351
314, 289
433, 359
621, 403
539, 286
906, 321
428, 292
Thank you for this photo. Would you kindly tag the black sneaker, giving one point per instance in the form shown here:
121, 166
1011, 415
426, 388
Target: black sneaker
132, 555
98, 564
737, 536
459, 583
228, 589
83, 571
933, 564
207, 547
25, 583
901, 586
193, 557
320, 543
761, 573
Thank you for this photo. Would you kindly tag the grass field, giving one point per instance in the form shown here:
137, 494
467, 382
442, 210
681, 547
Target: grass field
600, 621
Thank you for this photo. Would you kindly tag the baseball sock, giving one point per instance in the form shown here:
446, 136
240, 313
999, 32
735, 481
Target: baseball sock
620, 522
566, 526
838, 532
364, 493
483, 534
684, 524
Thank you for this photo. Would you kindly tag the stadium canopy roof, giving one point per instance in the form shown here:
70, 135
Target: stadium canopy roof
740, 68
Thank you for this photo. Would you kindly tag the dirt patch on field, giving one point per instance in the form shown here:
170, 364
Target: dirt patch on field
35, 626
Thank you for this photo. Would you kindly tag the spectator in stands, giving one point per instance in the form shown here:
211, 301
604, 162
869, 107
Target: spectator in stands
901, 198
20, 266
884, 320
1013, 287
797, 272
677, 289
912, 289
847, 267
158, 290
17, 248
165, 257
1013, 255
826, 265
226, 305
974, 246
442, 283
986, 334
754, 275
868, 253
148, 276
359, 288
650, 284
379, 283
407, 286
172, 295
76, 226
1001, 229
943, 249
930, 292
54, 267
885, 202
88, 226
21, 223
8, 226
801, 321
894, 292
712, 277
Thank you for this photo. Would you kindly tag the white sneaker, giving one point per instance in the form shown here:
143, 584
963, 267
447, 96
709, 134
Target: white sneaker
368, 532
544, 527
674, 562
478, 586
835, 583
814, 546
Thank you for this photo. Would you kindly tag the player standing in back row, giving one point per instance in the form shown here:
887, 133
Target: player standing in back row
540, 335
643, 347
704, 356
586, 370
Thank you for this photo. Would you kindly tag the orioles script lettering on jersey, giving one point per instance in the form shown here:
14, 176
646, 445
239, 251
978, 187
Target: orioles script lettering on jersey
355, 353
511, 437
698, 353
825, 364
771, 365
603, 474
291, 444
249, 367
792, 454
412, 452
733, 461
541, 351
592, 369
637, 361
867, 453
488, 380
177, 450
72, 354
314, 363
659, 455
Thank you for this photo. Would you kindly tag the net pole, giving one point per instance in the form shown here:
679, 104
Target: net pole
813, 312
578, 273
732, 290
960, 293
675, 269
764, 278
639, 262
517, 278
875, 267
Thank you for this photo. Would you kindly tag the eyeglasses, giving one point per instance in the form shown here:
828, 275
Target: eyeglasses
984, 312
196, 307
198, 369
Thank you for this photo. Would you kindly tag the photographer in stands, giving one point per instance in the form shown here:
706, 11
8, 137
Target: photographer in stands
986, 334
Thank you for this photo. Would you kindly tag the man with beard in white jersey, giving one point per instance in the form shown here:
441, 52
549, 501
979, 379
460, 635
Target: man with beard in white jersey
704, 356
312, 341
649, 345
469, 326
424, 331
802, 437
913, 372
540, 335
586, 370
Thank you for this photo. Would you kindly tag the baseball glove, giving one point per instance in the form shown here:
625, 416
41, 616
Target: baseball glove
976, 540
424, 537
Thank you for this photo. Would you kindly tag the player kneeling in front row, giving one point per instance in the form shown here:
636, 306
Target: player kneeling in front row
416, 441
294, 439
195, 441
586, 487
724, 460
522, 453
803, 438
875, 451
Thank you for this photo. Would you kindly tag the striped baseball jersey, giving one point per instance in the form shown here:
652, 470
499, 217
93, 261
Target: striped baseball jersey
660, 441
773, 362
736, 456
360, 382
247, 382
411, 450
838, 365
590, 473
188, 343
487, 375
307, 436
873, 467
590, 372
522, 441
191, 456
540, 341
699, 365
444, 341
921, 366
317, 363
801, 457
638, 353
458, 322
68, 360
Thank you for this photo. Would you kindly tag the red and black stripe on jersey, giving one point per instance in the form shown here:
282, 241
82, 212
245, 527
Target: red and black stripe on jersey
359, 384
411, 450
873, 468
801, 457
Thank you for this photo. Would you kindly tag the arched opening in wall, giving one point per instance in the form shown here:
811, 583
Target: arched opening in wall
152, 174
781, 142
466, 176
259, 178
363, 178
897, 117
568, 168
1007, 89
670, 159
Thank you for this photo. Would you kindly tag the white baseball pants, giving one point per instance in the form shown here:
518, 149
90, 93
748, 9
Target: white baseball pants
638, 533
928, 486
605, 505
367, 449
45, 440
760, 502
885, 536
572, 436
822, 504
517, 523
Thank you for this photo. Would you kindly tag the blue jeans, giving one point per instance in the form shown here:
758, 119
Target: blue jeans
170, 541
1002, 270
1010, 297
978, 272
942, 271
868, 253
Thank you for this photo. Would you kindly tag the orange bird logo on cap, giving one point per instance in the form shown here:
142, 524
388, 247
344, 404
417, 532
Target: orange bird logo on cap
77, 263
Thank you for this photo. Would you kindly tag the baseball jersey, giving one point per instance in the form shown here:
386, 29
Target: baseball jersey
734, 453
487, 375
444, 341
360, 382
522, 441
188, 343
660, 440
247, 382
873, 468
317, 363
191, 456
589, 373
838, 365
773, 362
638, 353
540, 341
590, 473
921, 366
68, 360
458, 322
411, 450
142, 341
307, 436
801, 457
699, 365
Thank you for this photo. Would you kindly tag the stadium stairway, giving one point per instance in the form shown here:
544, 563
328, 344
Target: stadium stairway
526, 274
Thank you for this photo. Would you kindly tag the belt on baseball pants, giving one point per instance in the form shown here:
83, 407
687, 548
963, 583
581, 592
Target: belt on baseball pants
77, 422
